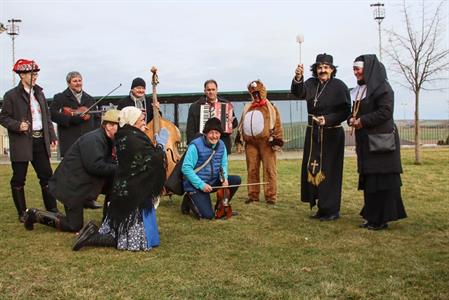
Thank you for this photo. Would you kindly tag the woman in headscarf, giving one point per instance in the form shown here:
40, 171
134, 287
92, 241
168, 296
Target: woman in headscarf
379, 166
130, 222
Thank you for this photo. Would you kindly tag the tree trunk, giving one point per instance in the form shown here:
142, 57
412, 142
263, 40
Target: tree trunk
417, 131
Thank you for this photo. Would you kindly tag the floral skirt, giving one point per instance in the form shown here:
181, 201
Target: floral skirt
138, 232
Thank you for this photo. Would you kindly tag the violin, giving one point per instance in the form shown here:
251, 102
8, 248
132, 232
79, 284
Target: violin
85, 112
81, 111
223, 207
158, 122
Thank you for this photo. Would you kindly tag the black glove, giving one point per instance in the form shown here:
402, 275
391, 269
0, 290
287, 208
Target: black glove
76, 120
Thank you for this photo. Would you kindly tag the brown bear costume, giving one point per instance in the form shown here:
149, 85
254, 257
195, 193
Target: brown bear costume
261, 130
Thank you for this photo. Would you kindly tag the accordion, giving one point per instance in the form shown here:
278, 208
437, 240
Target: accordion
221, 111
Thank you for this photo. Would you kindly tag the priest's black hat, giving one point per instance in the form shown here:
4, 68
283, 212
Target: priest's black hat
324, 59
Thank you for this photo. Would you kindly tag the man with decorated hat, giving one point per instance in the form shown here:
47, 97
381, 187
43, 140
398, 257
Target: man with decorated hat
26, 116
328, 104
86, 171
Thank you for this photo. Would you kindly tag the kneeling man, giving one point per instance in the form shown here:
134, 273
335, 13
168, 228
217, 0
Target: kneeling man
87, 170
206, 166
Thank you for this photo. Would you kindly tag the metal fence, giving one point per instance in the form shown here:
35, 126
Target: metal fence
432, 132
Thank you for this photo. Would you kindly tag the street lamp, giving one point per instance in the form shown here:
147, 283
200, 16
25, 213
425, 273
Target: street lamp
13, 30
2, 28
379, 16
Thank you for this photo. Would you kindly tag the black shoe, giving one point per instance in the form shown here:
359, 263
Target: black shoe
192, 207
235, 213
185, 209
88, 225
373, 226
317, 215
330, 217
92, 204
30, 218
365, 224
85, 233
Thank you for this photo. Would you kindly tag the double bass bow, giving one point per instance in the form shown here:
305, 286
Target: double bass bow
158, 122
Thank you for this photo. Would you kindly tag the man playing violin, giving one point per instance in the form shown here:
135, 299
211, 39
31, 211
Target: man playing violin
206, 166
65, 111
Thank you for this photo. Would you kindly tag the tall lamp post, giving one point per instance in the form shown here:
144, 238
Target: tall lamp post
13, 31
379, 16
2, 28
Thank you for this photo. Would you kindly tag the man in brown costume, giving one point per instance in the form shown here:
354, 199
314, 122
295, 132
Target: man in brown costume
261, 130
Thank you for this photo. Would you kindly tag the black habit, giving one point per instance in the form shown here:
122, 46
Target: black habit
322, 163
379, 173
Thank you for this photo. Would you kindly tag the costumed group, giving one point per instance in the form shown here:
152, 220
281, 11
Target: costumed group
113, 154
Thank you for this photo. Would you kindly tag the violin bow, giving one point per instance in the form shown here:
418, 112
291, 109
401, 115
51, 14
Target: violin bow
93, 105
236, 185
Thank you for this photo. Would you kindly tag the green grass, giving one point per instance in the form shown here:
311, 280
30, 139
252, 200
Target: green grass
265, 253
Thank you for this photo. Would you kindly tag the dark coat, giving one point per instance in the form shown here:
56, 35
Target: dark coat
127, 101
193, 122
70, 128
376, 115
334, 103
85, 169
140, 174
16, 108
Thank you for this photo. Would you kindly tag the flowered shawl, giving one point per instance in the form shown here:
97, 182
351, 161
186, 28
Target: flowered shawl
140, 174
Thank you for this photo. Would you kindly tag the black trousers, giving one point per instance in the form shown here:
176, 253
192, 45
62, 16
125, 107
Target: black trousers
40, 163
73, 219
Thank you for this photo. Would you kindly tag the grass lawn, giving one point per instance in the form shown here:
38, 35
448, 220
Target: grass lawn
265, 253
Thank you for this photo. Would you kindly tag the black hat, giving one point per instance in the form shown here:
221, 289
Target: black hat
213, 124
138, 82
324, 59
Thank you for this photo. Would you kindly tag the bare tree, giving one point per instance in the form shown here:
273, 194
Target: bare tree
418, 55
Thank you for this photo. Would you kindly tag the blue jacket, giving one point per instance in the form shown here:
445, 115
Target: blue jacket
197, 153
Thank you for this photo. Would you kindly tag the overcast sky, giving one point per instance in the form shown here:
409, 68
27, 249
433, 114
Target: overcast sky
112, 42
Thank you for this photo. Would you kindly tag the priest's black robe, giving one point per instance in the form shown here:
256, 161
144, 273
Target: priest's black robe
322, 164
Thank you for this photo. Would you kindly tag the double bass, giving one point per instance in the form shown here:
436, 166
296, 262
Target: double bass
158, 122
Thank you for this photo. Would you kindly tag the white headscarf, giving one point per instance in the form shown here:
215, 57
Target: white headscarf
129, 115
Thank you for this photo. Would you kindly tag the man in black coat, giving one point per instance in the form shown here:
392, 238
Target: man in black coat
194, 116
86, 171
328, 104
71, 125
25, 114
